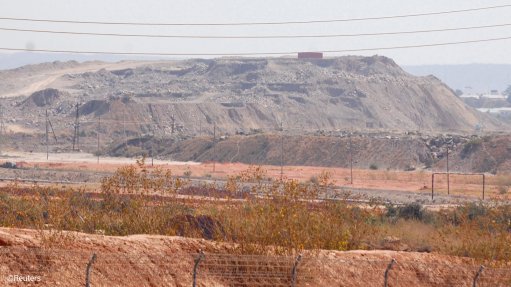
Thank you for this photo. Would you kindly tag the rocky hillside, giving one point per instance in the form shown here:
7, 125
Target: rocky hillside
378, 151
237, 95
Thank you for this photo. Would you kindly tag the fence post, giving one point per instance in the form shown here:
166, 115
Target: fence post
293, 272
88, 269
478, 274
392, 262
196, 266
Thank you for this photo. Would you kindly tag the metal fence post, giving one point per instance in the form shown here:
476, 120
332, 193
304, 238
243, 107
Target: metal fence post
196, 266
294, 271
478, 274
88, 269
392, 262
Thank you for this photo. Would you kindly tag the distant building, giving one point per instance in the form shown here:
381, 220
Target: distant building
495, 110
469, 96
493, 96
310, 55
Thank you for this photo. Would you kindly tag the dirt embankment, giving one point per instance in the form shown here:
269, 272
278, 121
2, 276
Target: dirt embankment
491, 154
290, 150
147, 260
487, 154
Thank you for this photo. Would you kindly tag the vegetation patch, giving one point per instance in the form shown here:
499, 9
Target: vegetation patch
256, 214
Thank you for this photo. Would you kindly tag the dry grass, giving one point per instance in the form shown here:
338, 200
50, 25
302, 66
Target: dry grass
281, 215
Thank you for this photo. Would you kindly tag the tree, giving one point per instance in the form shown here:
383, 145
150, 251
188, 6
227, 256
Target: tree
458, 92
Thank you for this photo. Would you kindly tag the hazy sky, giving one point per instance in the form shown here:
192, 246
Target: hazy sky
208, 11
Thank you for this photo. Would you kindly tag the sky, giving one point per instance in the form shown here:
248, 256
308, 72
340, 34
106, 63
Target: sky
225, 11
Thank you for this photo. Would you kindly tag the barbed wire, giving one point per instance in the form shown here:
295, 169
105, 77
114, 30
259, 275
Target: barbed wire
264, 270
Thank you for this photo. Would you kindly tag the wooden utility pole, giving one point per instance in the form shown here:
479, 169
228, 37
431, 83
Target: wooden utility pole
200, 126
173, 126
281, 151
448, 183
46, 126
351, 158
97, 132
2, 127
152, 147
76, 135
124, 127
214, 146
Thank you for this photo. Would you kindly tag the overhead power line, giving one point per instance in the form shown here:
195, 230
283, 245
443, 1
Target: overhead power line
259, 23
257, 37
258, 53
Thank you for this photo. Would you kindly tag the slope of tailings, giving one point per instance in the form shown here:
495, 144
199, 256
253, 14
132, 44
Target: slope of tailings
382, 152
244, 94
490, 154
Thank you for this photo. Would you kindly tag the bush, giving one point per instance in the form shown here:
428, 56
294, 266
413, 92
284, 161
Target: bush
373, 166
411, 211
470, 147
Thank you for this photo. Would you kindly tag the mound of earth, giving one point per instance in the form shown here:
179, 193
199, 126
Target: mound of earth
60, 259
43, 98
236, 95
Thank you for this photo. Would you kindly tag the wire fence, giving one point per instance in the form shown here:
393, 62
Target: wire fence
54, 267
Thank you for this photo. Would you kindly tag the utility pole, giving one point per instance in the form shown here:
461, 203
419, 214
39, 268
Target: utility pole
46, 126
97, 132
351, 158
214, 146
448, 183
2, 127
77, 130
281, 151
173, 126
200, 126
124, 127
152, 147
49, 126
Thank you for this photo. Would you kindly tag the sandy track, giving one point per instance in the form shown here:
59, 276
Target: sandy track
77, 158
44, 80
386, 186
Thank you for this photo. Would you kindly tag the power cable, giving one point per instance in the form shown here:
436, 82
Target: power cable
257, 53
260, 23
256, 37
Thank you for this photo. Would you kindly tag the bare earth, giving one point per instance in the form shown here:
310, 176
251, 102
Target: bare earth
393, 186
148, 260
